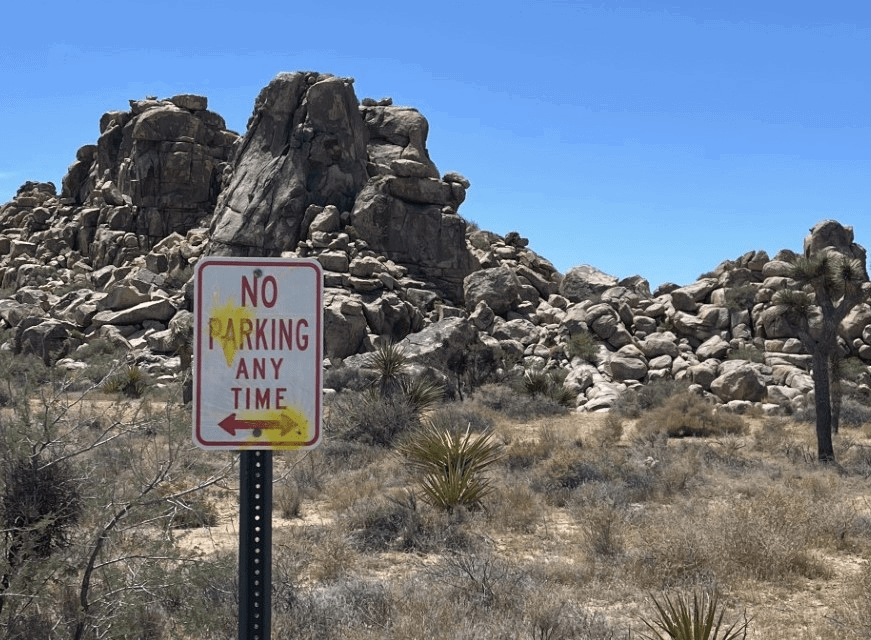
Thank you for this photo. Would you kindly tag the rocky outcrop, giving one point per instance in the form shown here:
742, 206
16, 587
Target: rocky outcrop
305, 145
350, 184
310, 147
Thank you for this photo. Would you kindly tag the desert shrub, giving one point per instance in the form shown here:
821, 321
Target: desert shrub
524, 455
131, 382
287, 499
345, 608
687, 414
473, 367
388, 524
582, 345
636, 400
751, 354
369, 418
24, 371
348, 379
676, 619
855, 413
741, 298
537, 382
102, 357
452, 465
519, 406
603, 526
481, 579
39, 505
390, 365
422, 392
334, 456
515, 507
459, 417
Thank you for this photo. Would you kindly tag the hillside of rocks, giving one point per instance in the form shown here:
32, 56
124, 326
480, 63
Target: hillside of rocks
321, 174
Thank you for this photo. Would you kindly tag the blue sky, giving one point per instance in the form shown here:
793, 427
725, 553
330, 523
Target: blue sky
652, 138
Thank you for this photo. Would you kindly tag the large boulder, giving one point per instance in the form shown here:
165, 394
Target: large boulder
498, 287
305, 144
440, 343
739, 381
585, 283
161, 163
832, 235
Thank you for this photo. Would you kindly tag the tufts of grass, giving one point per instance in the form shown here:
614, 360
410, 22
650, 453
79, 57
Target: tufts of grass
636, 400
131, 382
677, 620
506, 400
687, 415
370, 419
453, 465
582, 345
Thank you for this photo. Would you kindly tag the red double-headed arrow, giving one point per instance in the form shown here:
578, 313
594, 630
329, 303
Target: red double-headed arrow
231, 424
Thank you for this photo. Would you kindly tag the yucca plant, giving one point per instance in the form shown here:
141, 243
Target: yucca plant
390, 364
132, 382
676, 620
536, 381
452, 464
422, 393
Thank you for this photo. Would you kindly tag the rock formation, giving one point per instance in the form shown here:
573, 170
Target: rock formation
319, 174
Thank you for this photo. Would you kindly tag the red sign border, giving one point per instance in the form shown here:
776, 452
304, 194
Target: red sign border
235, 445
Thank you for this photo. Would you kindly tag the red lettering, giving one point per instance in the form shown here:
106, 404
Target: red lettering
285, 337
261, 398
249, 291
268, 291
259, 368
260, 335
242, 369
301, 338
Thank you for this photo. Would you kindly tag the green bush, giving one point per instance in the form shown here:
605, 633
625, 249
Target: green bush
452, 465
582, 345
39, 505
636, 400
369, 418
132, 382
751, 354
517, 405
688, 415
675, 619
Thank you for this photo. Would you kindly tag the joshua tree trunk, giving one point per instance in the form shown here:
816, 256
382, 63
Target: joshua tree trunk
822, 402
836, 374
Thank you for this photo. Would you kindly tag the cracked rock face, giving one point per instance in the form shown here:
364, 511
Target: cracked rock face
305, 145
310, 146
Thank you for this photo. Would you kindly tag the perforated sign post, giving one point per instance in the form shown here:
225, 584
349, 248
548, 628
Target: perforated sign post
258, 353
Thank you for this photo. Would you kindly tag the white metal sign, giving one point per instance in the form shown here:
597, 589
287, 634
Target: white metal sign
258, 334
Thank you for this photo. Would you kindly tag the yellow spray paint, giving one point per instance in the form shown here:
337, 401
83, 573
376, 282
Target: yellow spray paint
289, 424
229, 325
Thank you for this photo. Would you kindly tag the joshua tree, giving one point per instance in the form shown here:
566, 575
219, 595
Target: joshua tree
829, 286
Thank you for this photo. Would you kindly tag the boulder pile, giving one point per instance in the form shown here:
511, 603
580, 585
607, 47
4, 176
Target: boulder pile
320, 174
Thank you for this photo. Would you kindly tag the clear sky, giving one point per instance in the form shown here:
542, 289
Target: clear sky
641, 137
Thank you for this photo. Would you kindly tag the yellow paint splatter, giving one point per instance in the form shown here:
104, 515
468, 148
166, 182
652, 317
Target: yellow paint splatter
230, 325
287, 425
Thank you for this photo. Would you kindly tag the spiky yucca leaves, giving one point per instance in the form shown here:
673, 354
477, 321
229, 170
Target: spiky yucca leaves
132, 382
452, 465
423, 393
677, 621
390, 363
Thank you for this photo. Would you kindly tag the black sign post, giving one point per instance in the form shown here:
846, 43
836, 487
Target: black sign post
255, 545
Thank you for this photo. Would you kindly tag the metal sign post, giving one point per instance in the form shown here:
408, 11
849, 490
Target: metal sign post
258, 355
255, 545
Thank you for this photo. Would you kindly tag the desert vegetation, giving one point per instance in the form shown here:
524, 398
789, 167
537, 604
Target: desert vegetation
497, 516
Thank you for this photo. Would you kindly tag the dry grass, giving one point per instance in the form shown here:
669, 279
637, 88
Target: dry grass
589, 515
